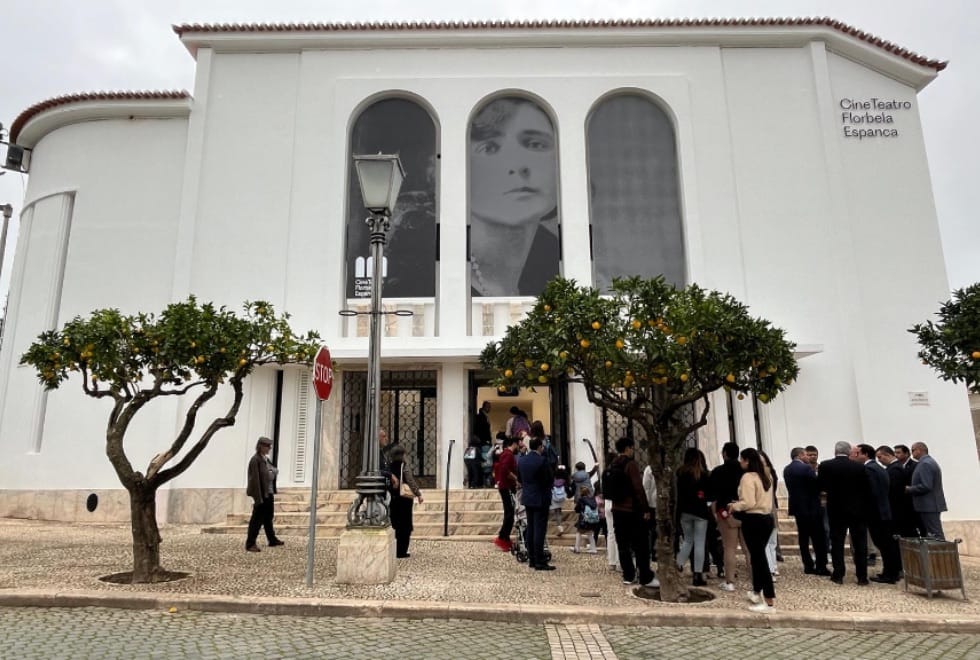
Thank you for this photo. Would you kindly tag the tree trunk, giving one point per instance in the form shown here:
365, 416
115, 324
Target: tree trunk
146, 535
664, 466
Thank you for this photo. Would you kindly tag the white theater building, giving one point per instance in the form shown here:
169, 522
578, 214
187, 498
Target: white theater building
782, 161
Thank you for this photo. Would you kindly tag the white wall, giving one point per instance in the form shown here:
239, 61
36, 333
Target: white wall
815, 232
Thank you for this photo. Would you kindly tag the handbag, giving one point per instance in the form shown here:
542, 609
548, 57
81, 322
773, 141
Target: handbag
403, 488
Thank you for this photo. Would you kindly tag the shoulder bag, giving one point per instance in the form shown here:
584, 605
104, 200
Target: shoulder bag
403, 488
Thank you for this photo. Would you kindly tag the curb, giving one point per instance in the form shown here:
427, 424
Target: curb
669, 616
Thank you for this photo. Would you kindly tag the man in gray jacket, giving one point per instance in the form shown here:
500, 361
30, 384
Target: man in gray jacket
260, 486
926, 490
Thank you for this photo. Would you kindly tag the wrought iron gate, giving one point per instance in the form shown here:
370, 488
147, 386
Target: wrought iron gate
408, 412
615, 426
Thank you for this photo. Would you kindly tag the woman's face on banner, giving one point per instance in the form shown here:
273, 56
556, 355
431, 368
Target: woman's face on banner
513, 166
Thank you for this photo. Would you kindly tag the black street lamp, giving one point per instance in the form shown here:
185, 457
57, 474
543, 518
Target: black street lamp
380, 177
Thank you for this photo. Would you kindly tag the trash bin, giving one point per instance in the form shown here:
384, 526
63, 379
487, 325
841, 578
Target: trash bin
932, 564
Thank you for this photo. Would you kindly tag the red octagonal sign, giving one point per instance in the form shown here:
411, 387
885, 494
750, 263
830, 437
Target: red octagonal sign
322, 374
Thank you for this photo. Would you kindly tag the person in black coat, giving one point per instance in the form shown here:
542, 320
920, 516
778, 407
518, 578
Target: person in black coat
846, 483
880, 518
401, 507
536, 480
903, 517
804, 506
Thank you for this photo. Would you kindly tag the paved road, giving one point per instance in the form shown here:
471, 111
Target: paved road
111, 633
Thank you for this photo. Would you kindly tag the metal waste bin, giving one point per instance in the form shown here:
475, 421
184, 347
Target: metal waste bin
932, 564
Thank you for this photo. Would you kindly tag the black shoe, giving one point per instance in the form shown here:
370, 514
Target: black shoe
863, 583
404, 556
543, 567
836, 580
698, 580
779, 557
253, 548
822, 572
275, 542
884, 579
809, 571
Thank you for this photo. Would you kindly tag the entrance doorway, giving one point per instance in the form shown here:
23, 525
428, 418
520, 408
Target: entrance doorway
547, 404
409, 414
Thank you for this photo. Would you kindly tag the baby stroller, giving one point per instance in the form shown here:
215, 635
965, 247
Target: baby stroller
519, 547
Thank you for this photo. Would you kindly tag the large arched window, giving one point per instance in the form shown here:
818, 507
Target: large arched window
400, 126
634, 191
514, 246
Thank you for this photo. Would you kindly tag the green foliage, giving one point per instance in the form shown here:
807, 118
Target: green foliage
951, 346
188, 343
667, 346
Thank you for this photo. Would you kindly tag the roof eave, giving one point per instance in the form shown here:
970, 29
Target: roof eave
889, 59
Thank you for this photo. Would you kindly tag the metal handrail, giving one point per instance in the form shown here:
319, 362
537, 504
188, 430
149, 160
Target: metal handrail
445, 520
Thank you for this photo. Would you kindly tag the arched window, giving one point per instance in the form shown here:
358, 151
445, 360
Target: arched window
634, 191
403, 127
514, 246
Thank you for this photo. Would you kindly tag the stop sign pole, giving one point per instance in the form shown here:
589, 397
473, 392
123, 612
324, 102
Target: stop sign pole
322, 384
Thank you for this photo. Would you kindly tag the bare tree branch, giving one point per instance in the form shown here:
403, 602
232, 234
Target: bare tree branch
164, 476
190, 419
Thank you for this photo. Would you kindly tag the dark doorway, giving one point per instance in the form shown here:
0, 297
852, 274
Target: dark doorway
409, 413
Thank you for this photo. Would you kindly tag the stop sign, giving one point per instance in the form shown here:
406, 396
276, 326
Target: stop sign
322, 374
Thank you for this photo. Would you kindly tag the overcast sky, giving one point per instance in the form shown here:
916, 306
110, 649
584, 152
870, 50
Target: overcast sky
54, 47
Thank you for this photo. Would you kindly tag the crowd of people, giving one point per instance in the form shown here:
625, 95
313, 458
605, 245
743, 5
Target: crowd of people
882, 493
862, 492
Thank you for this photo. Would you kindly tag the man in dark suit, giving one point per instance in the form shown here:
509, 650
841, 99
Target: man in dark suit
903, 517
846, 483
926, 489
804, 505
536, 482
880, 517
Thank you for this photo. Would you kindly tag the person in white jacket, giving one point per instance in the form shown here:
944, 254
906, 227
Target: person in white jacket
650, 487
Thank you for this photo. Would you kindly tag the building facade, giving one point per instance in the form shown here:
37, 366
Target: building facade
781, 161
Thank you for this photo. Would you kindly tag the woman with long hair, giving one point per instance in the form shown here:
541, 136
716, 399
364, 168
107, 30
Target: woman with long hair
754, 507
401, 507
692, 506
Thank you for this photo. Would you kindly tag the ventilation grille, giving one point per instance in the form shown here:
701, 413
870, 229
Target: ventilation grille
302, 427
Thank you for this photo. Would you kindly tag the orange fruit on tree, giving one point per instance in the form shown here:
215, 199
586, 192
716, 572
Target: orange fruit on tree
547, 308
563, 355
528, 363
620, 344
975, 355
542, 379
584, 343
682, 340
636, 324
544, 366
508, 373
608, 363
730, 378
684, 378
596, 325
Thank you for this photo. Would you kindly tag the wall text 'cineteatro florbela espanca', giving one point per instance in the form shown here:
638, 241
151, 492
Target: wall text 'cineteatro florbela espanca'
870, 118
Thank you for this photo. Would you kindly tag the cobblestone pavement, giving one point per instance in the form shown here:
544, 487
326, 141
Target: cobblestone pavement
72, 557
27, 633
698, 643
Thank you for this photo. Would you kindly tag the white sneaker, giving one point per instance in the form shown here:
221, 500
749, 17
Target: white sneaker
727, 586
753, 597
654, 583
761, 607
561, 530
593, 551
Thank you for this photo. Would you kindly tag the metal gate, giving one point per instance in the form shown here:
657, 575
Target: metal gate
409, 414
615, 426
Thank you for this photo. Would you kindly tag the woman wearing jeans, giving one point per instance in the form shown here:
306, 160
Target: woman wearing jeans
692, 504
754, 507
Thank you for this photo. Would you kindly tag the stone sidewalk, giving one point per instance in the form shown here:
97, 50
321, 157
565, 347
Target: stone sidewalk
57, 564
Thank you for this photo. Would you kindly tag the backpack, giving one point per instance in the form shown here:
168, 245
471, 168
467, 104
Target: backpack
615, 483
589, 515
557, 495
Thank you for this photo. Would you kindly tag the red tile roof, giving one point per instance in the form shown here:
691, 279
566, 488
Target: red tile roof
563, 24
67, 99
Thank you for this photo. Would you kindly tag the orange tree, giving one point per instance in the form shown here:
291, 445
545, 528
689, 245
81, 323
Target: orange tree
130, 360
648, 351
951, 346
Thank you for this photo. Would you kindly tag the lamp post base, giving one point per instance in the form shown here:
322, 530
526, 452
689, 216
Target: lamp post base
366, 555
